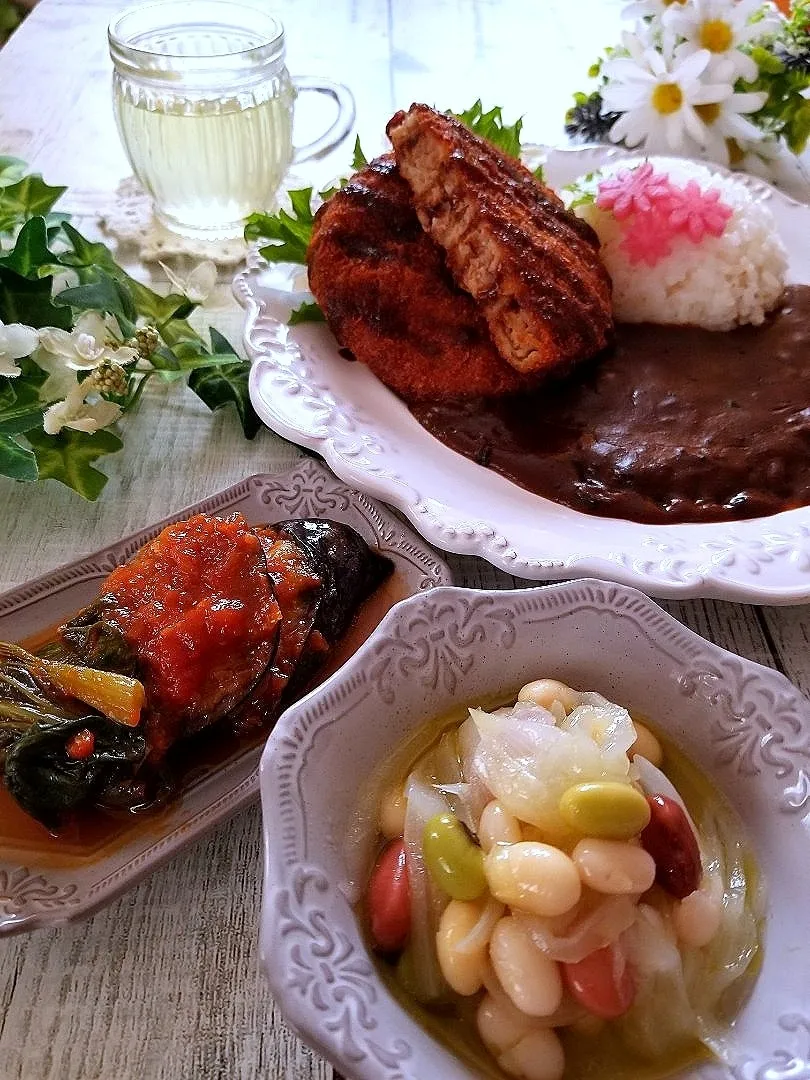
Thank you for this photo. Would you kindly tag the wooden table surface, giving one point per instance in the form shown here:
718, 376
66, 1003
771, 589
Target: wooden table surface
164, 983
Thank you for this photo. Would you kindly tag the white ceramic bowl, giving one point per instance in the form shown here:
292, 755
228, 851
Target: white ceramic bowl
744, 724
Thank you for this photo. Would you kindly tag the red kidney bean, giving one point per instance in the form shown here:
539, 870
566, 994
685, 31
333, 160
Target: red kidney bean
602, 982
389, 899
671, 841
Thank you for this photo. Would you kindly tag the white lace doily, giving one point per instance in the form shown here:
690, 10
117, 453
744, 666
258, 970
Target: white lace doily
129, 220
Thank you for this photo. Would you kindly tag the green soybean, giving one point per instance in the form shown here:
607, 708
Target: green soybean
605, 808
453, 859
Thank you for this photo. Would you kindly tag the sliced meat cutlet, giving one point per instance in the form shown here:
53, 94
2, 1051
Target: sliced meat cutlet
388, 297
532, 266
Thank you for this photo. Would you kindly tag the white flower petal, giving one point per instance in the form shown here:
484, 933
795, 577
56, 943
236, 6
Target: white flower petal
176, 282
692, 67
8, 368
17, 340
201, 281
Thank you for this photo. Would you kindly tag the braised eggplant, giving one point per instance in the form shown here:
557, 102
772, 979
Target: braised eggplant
217, 623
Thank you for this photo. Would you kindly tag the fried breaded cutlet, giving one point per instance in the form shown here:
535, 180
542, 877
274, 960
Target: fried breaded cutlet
388, 297
532, 266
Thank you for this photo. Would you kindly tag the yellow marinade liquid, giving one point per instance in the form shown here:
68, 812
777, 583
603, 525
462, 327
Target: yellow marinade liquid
208, 163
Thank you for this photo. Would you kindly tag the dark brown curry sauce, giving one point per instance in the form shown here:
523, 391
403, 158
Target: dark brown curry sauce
672, 424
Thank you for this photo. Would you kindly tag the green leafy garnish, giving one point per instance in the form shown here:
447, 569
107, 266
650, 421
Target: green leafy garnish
137, 334
290, 233
490, 126
307, 312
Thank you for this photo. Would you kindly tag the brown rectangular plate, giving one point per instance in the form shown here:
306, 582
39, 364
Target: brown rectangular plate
46, 881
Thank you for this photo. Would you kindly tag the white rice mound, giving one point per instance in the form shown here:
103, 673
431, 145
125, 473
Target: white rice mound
720, 283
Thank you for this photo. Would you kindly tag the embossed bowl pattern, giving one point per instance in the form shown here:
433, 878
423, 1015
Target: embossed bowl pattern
744, 724
307, 392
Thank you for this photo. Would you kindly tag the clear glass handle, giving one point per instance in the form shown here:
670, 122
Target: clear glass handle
341, 125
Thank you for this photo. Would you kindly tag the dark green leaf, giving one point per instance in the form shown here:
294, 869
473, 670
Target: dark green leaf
16, 421
30, 251
16, 461
226, 384
359, 160
30, 302
106, 294
48, 784
68, 456
307, 312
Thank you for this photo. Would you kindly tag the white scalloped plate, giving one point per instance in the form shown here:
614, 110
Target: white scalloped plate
744, 725
50, 883
304, 390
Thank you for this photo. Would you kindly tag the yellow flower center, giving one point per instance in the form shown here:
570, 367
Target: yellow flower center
668, 3
708, 113
735, 154
716, 35
667, 98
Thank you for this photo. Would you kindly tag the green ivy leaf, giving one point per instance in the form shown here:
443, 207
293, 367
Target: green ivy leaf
68, 457
16, 461
105, 294
25, 199
30, 302
30, 252
12, 169
225, 383
307, 312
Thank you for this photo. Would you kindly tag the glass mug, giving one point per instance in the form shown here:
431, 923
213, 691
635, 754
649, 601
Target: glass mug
204, 106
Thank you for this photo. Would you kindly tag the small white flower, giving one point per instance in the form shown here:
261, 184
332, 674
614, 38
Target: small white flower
657, 91
77, 413
726, 125
16, 341
199, 284
760, 158
92, 340
721, 28
645, 9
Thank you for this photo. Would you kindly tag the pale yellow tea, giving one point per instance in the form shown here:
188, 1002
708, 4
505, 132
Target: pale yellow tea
207, 164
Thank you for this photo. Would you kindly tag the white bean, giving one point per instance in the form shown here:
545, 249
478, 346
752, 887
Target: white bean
544, 692
501, 1025
498, 826
614, 866
647, 745
697, 917
463, 970
538, 1056
530, 977
393, 807
533, 877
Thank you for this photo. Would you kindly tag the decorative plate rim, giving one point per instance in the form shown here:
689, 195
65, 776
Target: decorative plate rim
311, 949
34, 895
367, 437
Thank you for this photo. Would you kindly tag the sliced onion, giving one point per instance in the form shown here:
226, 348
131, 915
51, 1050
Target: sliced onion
427, 903
591, 931
480, 934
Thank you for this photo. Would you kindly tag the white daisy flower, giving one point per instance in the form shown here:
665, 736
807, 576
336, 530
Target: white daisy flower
760, 158
721, 28
657, 91
199, 284
77, 413
646, 9
726, 125
16, 341
92, 340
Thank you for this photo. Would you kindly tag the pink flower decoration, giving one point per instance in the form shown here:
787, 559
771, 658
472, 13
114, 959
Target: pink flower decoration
633, 191
654, 211
648, 239
699, 213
